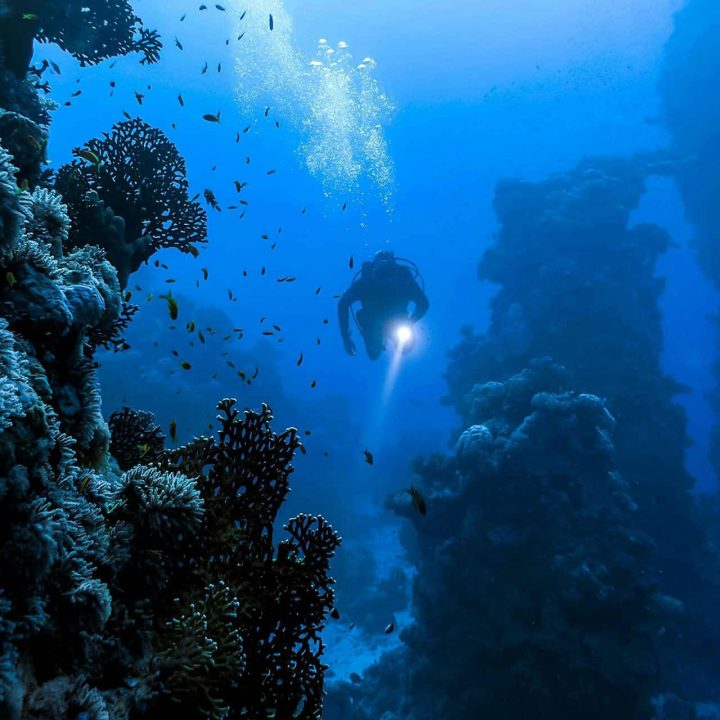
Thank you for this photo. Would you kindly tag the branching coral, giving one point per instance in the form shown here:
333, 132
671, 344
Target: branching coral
284, 595
90, 31
135, 438
140, 177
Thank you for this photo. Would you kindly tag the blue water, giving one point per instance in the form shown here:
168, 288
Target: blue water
458, 95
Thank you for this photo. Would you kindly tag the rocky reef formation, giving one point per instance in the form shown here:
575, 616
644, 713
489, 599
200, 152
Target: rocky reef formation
535, 593
134, 579
692, 115
578, 285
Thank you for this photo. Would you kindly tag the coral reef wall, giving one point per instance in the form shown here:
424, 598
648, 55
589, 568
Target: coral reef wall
578, 285
692, 115
132, 577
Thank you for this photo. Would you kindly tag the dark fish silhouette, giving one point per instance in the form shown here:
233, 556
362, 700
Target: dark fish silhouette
418, 500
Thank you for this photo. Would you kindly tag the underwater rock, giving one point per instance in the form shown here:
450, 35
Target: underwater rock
534, 577
570, 236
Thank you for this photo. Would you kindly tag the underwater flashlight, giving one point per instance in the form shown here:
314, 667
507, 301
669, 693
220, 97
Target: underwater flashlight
403, 334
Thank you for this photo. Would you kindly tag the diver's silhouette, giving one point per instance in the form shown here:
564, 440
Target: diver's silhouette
384, 287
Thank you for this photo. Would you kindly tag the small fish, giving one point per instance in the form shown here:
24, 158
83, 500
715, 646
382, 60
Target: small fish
173, 430
211, 200
77, 93
242, 17
335, 614
11, 279
271, 172
84, 483
351, 262
127, 115
178, 44
267, 110
271, 21
193, 250
313, 384
88, 155
239, 185
172, 305
389, 628
139, 97
369, 459
144, 449
183, 18
205, 273
219, 67
220, 8
55, 67
204, 70
181, 101
418, 500
203, 7
185, 365
212, 118
237, 137
344, 207
31, 17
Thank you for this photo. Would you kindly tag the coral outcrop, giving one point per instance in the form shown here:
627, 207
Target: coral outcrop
133, 194
535, 593
135, 581
692, 115
578, 284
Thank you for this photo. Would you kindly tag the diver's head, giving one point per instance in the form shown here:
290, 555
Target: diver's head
384, 256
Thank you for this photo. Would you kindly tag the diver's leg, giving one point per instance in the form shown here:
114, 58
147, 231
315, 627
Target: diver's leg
373, 336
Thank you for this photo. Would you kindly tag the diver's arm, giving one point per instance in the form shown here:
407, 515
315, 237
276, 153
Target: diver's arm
419, 298
348, 298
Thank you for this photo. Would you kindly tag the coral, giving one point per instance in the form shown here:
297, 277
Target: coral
48, 222
91, 32
128, 584
113, 338
691, 66
283, 594
547, 593
140, 177
14, 205
570, 236
28, 140
135, 438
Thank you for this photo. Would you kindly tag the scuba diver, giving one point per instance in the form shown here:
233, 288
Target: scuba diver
384, 287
